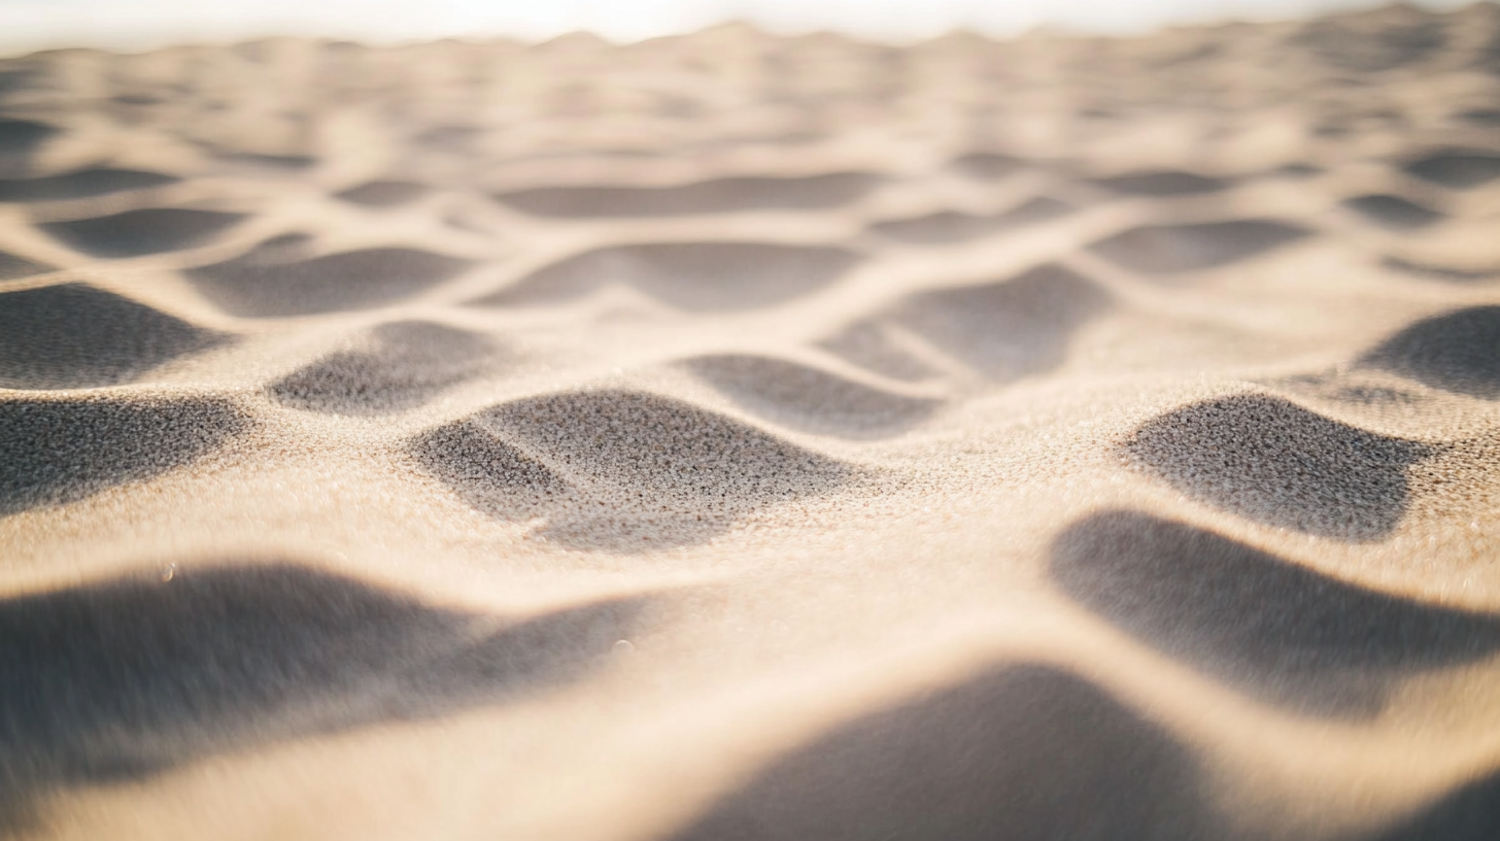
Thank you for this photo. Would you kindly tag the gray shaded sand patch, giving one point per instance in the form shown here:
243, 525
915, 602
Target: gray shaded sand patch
1274, 629
1457, 351
1163, 183
986, 166
292, 162
868, 344
117, 680
1271, 461
1299, 170
1393, 212
19, 138
1007, 330
1458, 169
77, 336
59, 451
677, 452
1023, 752
82, 184
808, 399
405, 364
1480, 116
269, 282
490, 474
1468, 813
620, 470
951, 226
137, 232
384, 193
13, 267
721, 195
693, 276
1171, 249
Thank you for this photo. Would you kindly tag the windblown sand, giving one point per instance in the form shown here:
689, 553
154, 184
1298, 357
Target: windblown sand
740, 437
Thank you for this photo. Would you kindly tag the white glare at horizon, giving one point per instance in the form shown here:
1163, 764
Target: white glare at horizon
40, 24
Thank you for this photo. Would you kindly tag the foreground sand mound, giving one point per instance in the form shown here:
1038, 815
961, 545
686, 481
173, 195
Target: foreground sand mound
748, 437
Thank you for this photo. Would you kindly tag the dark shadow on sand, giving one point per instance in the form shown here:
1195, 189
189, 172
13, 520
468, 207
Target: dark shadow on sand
1458, 169
269, 281
1274, 462
134, 233
75, 336
18, 139
1393, 212
720, 195
986, 166
950, 226
384, 193
809, 399
691, 276
13, 267
1163, 183
867, 343
1174, 249
404, 364
119, 679
1281, 632
59, 451
81, 184
651, 471
1468, 813
1457, 351
1010, 329
1022, 753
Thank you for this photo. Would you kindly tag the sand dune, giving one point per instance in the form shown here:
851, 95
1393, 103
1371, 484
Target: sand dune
745, 437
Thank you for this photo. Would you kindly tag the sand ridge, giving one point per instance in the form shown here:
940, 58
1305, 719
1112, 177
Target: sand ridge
734, 436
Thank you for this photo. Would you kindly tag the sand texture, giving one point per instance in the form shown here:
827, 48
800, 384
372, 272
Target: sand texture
740, 437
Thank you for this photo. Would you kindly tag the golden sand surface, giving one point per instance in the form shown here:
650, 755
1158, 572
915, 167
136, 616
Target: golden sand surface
734, 436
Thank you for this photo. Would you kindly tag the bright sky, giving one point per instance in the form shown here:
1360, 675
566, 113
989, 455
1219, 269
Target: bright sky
142, 24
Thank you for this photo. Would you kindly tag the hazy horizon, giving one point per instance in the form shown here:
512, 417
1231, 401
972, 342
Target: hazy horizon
29, 25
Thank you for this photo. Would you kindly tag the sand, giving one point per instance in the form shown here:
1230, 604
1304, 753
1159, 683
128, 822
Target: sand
738, 436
